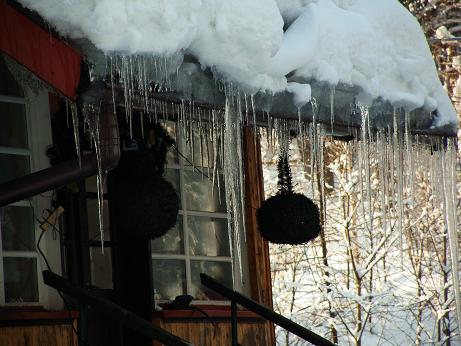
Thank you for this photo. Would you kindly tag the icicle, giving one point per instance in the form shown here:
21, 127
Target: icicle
253, 109
300, 134
399, 168
208, 156
73, 110
332, 107
215, 143
112, 84
141, 119
192, 137
313, 143
321, 168
450, 210
361, 168
246, 108
200, 133
381, 141
312, 156
368, 163
233, 178
409, 156
91, 115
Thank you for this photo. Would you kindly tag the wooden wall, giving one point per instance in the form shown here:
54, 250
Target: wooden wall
251, 332
258, 248
38, 335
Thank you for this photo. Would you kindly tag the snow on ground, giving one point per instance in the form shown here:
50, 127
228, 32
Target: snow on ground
376, 45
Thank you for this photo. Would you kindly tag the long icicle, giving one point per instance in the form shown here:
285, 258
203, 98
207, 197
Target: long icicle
233, 178
73, 109
449, 195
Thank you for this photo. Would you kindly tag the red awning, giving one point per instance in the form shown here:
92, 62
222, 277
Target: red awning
49, 58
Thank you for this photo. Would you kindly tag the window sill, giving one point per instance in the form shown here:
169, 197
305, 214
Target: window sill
214, 312
35, 315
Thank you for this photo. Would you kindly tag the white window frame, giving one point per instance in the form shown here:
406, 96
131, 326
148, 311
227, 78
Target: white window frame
24, 203
181, 168
38, 124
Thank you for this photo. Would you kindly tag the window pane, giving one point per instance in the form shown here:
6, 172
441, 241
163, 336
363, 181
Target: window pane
20, 279
169, 278
200, 194
208, 236
17, 228
13, 166
13, 131
172, 176
91, 185
221, 271
8, 85
171, 155
101, 267
203, 153
93, 219
172, 242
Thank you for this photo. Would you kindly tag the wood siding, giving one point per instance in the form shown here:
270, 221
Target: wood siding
203, 333
258, 248
38, 335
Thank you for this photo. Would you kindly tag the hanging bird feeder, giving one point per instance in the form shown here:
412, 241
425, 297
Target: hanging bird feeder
146, 205
288, 217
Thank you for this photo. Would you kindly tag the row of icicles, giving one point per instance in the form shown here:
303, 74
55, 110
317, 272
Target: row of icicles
397, 151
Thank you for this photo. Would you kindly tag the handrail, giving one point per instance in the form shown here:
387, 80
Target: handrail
261, 310
112, 310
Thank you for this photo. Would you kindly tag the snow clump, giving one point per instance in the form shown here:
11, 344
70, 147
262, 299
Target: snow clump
376, 45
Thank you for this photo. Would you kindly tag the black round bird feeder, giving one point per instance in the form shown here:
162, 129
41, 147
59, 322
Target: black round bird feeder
288, 217
146, 205
147, 208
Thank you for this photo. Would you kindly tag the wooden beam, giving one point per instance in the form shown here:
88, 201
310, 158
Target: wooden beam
258, 248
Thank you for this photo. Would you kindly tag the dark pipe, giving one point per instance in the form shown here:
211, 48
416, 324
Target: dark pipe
69, 171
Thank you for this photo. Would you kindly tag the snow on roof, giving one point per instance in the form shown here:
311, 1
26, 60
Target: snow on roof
375, 45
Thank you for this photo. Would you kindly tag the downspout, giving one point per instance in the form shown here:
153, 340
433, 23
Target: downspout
69, 171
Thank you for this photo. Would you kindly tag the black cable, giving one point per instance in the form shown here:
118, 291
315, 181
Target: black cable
182, 302
213, 323
190, 162
215, 184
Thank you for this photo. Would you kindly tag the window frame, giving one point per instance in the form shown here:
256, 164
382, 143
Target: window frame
23, 152
38, 122
182, 166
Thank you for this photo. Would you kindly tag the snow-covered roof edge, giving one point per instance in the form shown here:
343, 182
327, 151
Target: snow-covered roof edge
375, 46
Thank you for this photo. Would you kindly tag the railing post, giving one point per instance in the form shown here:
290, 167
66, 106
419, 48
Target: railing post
261, 310
82, 327
234, 322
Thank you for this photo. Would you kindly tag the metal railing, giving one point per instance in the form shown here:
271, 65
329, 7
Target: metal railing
113, 311
261, 310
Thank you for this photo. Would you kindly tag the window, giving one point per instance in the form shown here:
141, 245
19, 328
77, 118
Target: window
100, 262
18, 261
199, 243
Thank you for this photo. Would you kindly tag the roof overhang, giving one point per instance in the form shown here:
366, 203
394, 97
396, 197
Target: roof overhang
46, 56
190, 83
